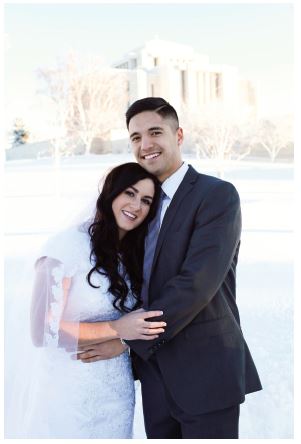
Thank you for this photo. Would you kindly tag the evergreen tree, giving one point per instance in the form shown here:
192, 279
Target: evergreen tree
20, 133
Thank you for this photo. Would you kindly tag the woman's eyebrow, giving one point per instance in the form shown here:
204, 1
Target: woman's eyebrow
137, 191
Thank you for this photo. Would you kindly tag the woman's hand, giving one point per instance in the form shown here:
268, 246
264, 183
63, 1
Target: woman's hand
99, 352
135, 326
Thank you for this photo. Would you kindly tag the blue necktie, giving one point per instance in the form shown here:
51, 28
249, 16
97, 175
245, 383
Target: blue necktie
149, 248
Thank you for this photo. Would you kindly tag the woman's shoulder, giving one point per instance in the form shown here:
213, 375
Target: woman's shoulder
69, 236
68, 246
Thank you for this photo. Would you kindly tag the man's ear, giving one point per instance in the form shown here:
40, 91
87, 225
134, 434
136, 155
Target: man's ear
180, 136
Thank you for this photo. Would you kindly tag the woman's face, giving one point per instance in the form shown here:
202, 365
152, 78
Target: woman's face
131, 207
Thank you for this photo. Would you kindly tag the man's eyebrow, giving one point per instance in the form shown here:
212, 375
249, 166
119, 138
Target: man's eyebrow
153, 128
134, 134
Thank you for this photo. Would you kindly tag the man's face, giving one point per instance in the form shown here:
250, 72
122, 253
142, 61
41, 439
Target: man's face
156, 143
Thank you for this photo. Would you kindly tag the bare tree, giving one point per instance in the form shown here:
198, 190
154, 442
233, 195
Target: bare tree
217, 134
56, 84
98, 100
274, 136
89, 99
56, 87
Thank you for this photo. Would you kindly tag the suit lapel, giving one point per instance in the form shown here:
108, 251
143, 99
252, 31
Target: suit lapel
184, 188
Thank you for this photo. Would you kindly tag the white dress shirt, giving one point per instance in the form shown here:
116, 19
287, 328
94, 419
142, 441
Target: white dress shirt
170, 186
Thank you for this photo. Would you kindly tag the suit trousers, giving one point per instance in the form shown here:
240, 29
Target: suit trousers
163, 418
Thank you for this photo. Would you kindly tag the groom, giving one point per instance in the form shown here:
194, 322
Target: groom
196, 374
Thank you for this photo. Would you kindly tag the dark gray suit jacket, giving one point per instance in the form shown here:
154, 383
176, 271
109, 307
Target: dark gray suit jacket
203, 357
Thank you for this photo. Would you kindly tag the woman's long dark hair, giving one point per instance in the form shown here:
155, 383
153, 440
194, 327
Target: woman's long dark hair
107, 251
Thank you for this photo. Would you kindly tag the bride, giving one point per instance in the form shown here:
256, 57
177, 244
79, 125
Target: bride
86, 291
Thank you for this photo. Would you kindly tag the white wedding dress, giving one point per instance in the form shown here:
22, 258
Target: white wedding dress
61, 397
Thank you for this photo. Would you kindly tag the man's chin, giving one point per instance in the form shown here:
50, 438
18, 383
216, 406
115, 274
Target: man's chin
153, 169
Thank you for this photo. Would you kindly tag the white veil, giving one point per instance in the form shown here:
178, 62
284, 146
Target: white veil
38, 322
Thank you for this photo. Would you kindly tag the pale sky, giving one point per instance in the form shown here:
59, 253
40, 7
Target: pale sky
258, 38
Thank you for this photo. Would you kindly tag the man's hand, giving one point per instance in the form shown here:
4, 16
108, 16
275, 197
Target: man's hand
100, 352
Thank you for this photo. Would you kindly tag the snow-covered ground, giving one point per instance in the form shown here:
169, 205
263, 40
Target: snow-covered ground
38, 201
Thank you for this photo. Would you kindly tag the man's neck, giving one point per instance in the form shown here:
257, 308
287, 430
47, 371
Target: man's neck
174, 171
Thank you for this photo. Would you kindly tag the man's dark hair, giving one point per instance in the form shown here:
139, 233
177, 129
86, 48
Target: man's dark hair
156, 104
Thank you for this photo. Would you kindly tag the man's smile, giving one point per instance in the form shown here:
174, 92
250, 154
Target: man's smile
151, 156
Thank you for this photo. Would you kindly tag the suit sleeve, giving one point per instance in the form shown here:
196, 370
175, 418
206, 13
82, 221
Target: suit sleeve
211, 250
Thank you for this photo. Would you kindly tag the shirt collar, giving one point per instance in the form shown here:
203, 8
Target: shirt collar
172, 183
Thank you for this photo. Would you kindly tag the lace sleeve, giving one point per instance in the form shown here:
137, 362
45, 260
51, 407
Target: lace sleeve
49, 298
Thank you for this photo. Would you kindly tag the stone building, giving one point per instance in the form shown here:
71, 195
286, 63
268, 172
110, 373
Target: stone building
184, 77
